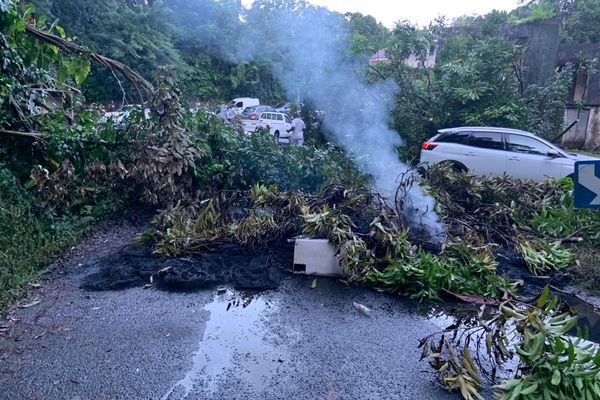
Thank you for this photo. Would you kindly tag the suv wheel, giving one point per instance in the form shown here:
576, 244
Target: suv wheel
456, 165
276, 136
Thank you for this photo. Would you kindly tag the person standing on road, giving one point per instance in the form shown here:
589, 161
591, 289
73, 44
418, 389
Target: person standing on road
297, 130
223, 112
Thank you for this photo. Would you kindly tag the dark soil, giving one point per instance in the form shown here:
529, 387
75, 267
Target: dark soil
512, 265
240, 267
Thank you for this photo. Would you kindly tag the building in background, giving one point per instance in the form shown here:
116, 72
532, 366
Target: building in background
413, 60
544, 52
427, 62
379, 57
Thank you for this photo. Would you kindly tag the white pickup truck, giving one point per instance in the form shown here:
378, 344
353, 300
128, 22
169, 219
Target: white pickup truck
277, 123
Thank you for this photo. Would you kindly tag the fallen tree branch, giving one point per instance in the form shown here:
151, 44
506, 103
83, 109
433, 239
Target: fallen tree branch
142, 86
36, 135
41, 136
25, 119
472, 299
576, 233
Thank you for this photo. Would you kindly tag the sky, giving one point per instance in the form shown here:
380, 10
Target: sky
420, 12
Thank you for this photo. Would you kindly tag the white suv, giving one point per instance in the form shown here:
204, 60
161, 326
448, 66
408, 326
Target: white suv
498, 151
277, 123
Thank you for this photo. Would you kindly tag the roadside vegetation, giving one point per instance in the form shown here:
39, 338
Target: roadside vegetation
585, 153
62, 168
551, 362
31, 237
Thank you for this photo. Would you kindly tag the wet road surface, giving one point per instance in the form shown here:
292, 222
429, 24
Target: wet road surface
291, 343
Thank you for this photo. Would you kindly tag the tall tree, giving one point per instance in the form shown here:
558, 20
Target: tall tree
582, 23
137, 33
367, 35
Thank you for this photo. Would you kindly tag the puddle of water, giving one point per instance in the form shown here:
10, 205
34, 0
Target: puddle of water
445, 314
448, 314
234, 335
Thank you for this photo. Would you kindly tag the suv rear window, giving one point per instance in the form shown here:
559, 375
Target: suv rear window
455, 137
486, 140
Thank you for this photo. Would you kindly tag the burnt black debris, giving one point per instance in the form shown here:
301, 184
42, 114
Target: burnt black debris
512, 264
235, 265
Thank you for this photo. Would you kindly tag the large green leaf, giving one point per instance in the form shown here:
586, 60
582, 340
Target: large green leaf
79, 68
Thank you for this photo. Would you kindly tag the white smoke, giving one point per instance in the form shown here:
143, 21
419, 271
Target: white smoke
317, 68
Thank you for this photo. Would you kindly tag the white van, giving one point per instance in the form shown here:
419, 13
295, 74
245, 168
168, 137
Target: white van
240, 103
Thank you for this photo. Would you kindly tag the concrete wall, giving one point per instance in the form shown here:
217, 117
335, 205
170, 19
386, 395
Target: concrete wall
579, 90
542, 42
587, 91
586, 133
576, 136
592, 94
592, 140
543, 53
575, 53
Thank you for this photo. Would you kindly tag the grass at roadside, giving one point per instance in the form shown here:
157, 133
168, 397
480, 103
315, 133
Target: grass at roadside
30, 238
585, 153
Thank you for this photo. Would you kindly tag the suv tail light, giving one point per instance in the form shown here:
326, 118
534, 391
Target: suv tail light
428, 146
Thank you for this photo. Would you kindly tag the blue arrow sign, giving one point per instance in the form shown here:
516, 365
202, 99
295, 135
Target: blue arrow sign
587, 184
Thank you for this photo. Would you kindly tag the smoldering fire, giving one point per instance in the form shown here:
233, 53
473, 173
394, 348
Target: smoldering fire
317, 67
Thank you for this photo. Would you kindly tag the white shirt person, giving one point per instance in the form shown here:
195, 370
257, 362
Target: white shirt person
298, 127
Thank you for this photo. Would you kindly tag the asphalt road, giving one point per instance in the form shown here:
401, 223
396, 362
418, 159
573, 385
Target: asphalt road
292, 343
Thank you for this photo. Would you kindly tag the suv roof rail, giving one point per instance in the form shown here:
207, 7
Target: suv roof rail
484, 129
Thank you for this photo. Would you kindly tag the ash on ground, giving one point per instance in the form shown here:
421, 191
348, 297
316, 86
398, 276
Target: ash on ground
234, 265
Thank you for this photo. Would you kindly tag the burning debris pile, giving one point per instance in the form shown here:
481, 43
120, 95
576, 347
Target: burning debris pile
256, 224
486, 219
366, 232
503, 213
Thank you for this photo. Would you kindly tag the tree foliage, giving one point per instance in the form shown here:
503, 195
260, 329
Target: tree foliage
581, 22
579, 17
476, 80
367, 35
139, 34
219, 50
